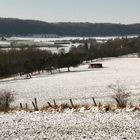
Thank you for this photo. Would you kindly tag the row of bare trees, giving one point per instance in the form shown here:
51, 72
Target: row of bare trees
111, 48
26, 61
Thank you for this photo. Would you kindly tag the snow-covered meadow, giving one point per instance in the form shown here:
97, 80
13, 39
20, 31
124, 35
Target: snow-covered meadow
70, 126
70, 38
49, 43
80, 84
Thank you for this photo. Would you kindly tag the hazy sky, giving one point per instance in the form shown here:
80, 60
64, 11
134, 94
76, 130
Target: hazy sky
116, 11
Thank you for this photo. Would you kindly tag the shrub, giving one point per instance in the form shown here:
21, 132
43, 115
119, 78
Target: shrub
6, 98
121, 94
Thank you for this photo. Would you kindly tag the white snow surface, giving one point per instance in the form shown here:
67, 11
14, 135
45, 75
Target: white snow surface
69, 38
80, 84
4, 43
70, 126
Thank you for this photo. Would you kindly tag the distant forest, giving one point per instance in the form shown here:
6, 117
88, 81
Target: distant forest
11, 26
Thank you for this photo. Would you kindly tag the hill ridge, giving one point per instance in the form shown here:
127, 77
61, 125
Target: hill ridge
15, 26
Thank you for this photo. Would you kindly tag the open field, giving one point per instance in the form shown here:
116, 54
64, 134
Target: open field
49, 43
102, 38
80, 84
70, 126
70, 70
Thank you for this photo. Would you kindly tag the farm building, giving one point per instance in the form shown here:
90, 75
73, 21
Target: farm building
96, 65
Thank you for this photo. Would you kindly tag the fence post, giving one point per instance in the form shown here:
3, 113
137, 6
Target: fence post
55, 103
94, 101
36, 105
50, 104
117, 101
33, 105
35, 109
72, 105
20, 105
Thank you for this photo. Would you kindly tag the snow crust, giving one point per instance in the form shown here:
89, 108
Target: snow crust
70, 126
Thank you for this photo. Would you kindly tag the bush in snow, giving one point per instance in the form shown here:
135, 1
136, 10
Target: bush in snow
121, 94
6, 98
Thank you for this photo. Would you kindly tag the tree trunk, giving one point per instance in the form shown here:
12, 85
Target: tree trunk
30, 75
39, 72
68, 69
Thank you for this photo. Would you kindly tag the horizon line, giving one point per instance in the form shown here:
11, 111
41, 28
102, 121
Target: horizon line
30, 19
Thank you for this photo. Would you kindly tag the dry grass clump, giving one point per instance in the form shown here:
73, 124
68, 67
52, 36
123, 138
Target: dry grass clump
46, 108
109, 107
64, 106
79, 108
58, 108
87, 106
106, 107
133, 107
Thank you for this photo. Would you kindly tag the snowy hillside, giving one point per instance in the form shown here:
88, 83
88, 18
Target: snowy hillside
80, 84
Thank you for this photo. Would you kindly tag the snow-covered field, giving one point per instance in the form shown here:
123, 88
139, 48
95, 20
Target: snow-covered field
69, 38
70, 126
4, 43
64, 47
80, 84
48, 43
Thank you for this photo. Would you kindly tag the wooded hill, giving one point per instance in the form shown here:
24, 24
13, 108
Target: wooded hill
11, 26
